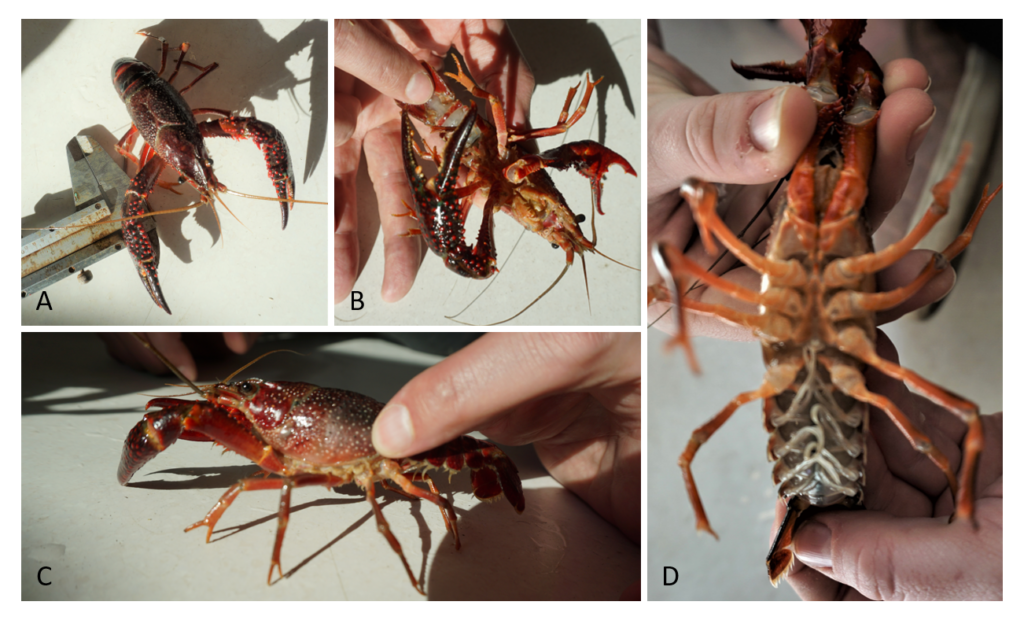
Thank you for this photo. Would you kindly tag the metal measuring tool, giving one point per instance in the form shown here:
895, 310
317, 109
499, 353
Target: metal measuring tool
70, 244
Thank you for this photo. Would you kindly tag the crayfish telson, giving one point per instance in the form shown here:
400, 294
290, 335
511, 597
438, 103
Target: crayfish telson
817, 304
509, 178
310, 436
173, 138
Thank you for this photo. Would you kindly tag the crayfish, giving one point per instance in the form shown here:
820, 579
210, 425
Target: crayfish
496, 166
816, 306
304, 435
173, 138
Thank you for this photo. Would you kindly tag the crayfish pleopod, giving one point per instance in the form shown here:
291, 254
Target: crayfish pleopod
816, 307
304, 435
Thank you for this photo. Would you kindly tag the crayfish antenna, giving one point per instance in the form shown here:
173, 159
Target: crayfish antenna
146, 343
586, 283
490, 282
517, 314
255, 197
194, 205
596, 251
224, 204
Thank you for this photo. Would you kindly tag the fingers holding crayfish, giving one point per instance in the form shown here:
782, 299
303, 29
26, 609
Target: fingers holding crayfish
346, 237
744, 138
402, 248
576, 397
904, 119
363, 50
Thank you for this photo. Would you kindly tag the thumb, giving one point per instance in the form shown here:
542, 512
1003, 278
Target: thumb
360, 49
745, 138
888, 558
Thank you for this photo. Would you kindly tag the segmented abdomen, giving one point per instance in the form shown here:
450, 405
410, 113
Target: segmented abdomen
817, 439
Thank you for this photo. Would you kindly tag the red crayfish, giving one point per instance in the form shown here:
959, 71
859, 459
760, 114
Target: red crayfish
509, 178
173, 138
817, 302
310, 436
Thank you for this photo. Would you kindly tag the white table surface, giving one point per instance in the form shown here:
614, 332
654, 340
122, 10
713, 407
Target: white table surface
276, 71
105, 541
559, 53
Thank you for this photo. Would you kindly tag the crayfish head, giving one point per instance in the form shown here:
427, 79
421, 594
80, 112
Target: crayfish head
236, 394
190, 159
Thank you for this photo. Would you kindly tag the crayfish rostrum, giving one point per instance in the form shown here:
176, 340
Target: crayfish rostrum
304, 435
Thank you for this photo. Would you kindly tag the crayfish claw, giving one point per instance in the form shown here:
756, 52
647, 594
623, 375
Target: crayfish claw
145, 252
147, 271
271, 143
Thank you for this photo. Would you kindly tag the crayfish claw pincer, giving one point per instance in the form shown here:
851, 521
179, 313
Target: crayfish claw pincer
145, 253
591, 159
271, 143
152, 435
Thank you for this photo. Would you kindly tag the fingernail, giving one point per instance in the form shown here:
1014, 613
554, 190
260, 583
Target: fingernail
392, 433
343, 131
419, 89
813, 545
766, 122
918, 136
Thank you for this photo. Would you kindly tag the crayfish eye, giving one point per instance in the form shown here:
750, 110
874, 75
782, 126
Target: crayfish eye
554, 246
246, 387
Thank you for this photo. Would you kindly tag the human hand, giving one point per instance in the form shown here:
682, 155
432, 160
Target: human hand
126, 348
752, 138
576, 397
377, 63
902, 546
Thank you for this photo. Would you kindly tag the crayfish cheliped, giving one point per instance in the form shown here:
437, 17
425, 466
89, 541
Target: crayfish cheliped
304, 435
496, 168
816, 321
